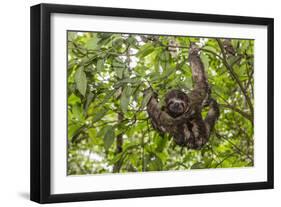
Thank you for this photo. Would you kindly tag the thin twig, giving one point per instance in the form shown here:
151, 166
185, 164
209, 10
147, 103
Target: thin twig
226, 157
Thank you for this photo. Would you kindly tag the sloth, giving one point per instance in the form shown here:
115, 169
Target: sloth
192, 131
181, 114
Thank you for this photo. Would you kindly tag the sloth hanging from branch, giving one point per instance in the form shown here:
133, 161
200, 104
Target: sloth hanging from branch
181, 115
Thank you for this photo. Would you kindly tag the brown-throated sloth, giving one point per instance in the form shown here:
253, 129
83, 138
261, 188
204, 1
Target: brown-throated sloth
181, 115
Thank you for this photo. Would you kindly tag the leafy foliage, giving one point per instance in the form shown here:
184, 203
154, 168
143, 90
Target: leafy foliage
108, 127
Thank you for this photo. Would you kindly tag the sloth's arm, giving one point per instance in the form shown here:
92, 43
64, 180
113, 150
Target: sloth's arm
201, 94
160, 119
201, 89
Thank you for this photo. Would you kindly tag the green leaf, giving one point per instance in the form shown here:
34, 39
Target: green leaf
210, 48
132, 41
161, 143
116, 158
104, 35
90, 97
73, 99
99, 114
117, 43
109, 95
146, 99
117, 62
145, 50
119, 67
125, 81
164, 60
92, 43
233, 59
81, 81
164, 56
119, 72
92, 133
102, 131
108, 137
154, 76
71, 36
72, 129
198, 165
125, 98
167, 72
100, 65
188, 82
77, 112
155, 163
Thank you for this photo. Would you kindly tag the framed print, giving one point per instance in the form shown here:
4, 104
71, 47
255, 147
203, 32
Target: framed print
133, 103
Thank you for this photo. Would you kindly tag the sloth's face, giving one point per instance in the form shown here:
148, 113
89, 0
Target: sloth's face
176, 107
176, 103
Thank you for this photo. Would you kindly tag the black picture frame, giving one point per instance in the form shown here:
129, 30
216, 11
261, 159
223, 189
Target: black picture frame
41, 96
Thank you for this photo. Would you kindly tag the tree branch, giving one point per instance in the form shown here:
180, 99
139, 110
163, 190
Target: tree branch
209, 51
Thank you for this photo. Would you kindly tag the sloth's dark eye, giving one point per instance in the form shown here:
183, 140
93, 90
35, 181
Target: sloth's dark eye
170, 103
